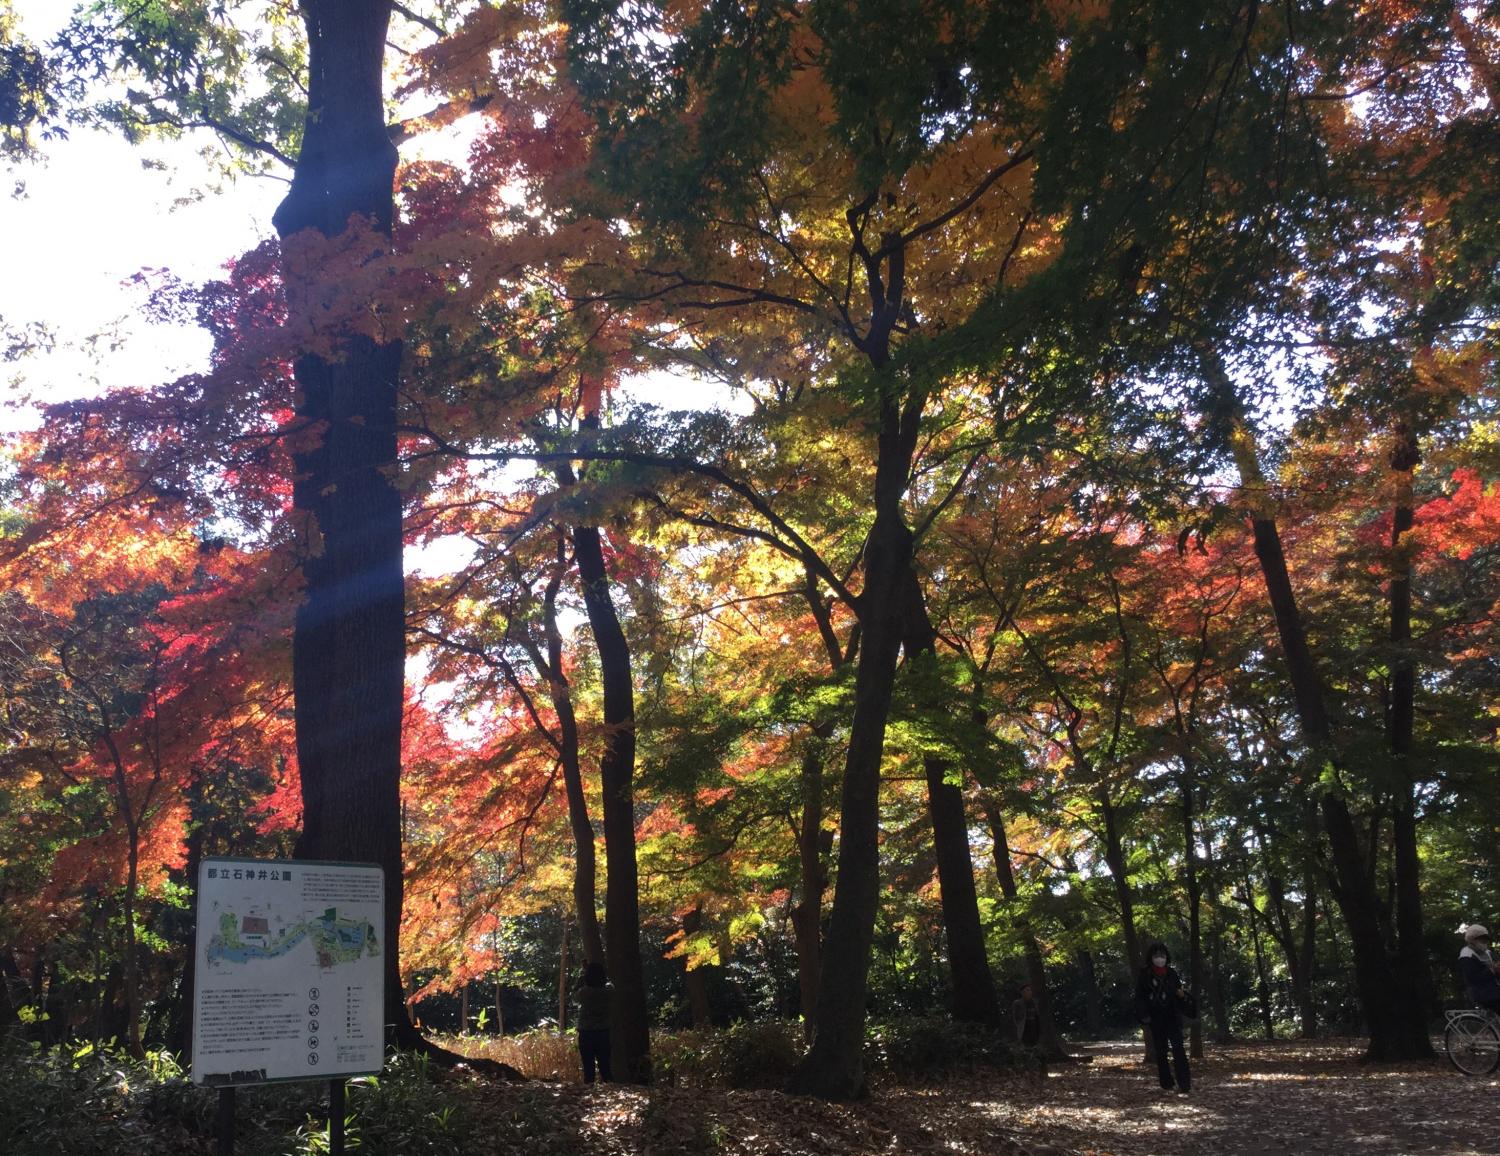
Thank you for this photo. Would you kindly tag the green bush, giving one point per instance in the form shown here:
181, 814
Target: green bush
745, 1055
87, 1099
919, 1048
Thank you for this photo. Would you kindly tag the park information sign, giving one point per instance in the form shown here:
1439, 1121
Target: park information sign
289, 971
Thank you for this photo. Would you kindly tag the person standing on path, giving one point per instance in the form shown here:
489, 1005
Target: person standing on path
1160, 1001
594, 999
1027, 1016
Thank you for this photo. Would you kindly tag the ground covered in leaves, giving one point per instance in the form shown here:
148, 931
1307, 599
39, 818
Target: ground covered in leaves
1247, 1099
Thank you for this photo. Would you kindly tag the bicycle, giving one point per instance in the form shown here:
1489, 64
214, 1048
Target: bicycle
1472, 1040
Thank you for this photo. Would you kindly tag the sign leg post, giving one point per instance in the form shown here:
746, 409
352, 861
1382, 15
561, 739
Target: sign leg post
225, 1129
336, 1117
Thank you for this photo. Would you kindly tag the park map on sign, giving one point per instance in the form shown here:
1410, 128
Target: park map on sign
251, 936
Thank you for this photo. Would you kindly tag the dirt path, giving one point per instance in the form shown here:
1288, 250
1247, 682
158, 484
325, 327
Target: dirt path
1258, 1100
1247, 1100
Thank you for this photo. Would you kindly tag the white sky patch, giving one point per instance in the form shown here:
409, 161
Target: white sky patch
97, 211
92, 218
669, 390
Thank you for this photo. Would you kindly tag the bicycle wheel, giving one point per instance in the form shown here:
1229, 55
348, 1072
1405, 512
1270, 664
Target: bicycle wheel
1473, 1045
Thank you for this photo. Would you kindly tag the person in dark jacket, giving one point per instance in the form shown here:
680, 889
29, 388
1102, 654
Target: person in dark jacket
1160, 998
1478, 968
594, 997
1027, 1016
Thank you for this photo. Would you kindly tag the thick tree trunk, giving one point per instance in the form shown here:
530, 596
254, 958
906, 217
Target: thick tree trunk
1050, 1042
974, 998
349, 649
630, 1036
695, 979
1114, 859
1397, 1026
834, 1066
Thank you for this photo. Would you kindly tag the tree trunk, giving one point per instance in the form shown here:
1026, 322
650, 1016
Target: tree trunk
1262, 984
974, 998
1307, 1006
349, 648
1093, 998
1050, 1042
562, 979
834, 1066
695, 979
1411, 954
585, 866
1114, 859
180, 1025
1194, 896
1397, 1026
1218, 1000
630, 1035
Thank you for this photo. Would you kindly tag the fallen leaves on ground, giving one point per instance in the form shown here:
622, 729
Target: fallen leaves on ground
1247, 1100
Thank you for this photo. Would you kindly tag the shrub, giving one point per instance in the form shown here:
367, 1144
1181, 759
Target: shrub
919, 1048
745, 1055
543, 1054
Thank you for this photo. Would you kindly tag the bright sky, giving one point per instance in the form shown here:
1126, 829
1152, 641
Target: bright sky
92, 216
97, 211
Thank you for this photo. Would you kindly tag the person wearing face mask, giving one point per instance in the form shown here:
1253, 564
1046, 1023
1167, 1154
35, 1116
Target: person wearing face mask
1478, 967
1160, 1003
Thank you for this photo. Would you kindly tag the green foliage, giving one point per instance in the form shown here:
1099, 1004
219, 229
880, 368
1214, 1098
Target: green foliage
745, 1055
918, 1048
98, 1101
234, 67
26, 84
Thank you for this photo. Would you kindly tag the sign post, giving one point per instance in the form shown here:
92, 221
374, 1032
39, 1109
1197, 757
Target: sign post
290, 978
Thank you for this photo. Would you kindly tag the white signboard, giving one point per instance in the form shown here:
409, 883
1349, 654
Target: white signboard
290, 971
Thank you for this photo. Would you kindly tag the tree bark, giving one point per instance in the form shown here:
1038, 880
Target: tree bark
1114, 859
1307, 1006
1414, 974
349, 649
630, 1035
562, 979
695, 979
834, 1067
1195, 898
974, 998
1397, 1027
585, 859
